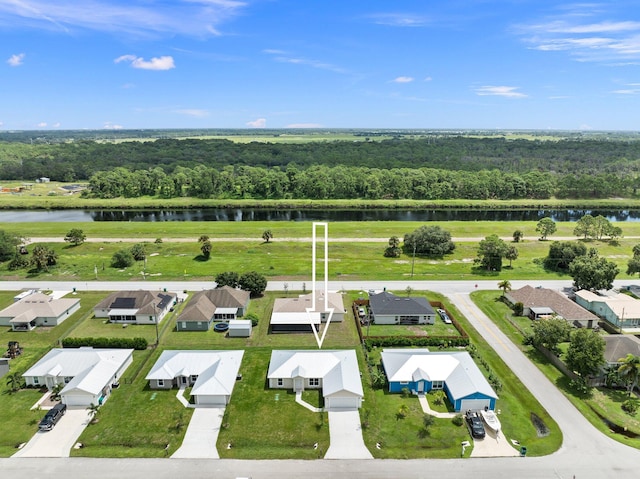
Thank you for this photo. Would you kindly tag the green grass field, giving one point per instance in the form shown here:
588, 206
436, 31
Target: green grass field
286, 259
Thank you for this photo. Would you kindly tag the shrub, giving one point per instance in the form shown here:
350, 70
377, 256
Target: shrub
106, 343
630, 406
457, 420
122, 259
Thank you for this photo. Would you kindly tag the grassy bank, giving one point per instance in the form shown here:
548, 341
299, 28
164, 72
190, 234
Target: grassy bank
45, 196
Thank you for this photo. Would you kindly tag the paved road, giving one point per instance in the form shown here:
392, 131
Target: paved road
585, 452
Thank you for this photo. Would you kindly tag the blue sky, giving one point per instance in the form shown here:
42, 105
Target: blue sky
521, 64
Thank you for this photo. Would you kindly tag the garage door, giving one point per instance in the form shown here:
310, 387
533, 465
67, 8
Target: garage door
473, 404
342, 402
213, 400
84, 400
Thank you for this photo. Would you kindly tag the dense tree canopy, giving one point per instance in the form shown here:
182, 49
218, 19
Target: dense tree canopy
253, 282
8, 245
428, 240
549, 333
75, 236
562, 253
435, 166
586, 352
593, 272
491, 251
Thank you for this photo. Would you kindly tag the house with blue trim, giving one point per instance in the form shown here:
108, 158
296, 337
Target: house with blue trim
421, 371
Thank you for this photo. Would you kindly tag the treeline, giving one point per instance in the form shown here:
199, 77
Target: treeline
79, 160
344, 182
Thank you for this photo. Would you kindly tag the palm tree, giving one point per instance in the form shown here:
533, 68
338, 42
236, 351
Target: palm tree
14, 381
93, 411
629, 371
504, 285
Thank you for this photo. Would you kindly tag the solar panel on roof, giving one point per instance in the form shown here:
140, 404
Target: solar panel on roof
164, 300
123, 303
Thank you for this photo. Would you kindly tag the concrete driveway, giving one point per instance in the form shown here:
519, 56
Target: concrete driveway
494, 445
200, 439
59, 441
345, 432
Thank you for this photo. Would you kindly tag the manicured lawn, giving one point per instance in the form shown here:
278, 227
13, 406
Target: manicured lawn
137, 421
596, 403
19, 423
262, 423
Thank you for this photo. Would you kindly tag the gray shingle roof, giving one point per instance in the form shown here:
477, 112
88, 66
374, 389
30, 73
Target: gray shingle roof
387, 303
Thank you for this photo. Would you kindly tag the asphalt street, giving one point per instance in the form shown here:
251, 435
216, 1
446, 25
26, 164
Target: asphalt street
585, 453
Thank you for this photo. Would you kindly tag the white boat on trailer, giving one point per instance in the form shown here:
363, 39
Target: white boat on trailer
491, 419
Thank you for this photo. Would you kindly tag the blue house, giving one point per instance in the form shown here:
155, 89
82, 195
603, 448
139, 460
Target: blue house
420, 371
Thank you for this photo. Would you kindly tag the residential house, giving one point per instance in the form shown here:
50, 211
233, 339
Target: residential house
542, 303
387, 308
620, 310
88, 374
136, 307
210, 374
295, 315
335, 372
219, 304
421, 371
38, 309
618, 346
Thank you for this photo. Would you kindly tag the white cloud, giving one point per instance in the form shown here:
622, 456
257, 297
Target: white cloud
632, 89
304, 125
586, 33
283, 57
428, 78
136, 17
42, 124
156, 63
505, 91
16, 60
402, 80
258, 123
112, 126
193, 112
399, 19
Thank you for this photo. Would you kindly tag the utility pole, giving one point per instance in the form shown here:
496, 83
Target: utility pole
413, 261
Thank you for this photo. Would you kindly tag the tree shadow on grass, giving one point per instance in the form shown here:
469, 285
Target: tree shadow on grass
202, 258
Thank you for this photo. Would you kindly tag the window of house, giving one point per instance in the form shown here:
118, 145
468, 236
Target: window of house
437, 385
36, 381
194, 378
160, 383
314, 382
67, 379
404, 383
280, 382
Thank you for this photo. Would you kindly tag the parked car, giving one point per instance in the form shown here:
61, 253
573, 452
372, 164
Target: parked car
475, 424
361, 312
445, 317
52, 417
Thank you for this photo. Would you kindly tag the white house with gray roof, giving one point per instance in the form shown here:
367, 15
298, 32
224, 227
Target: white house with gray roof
420, 371
38, 309
387, 308
88, 374
210, 374
335, 372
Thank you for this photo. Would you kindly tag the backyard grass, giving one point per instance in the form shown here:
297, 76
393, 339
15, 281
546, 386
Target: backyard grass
595, 405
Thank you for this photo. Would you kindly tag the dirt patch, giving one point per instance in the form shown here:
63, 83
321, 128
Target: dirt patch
417, 331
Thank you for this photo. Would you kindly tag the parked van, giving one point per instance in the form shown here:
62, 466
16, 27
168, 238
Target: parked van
361, 312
